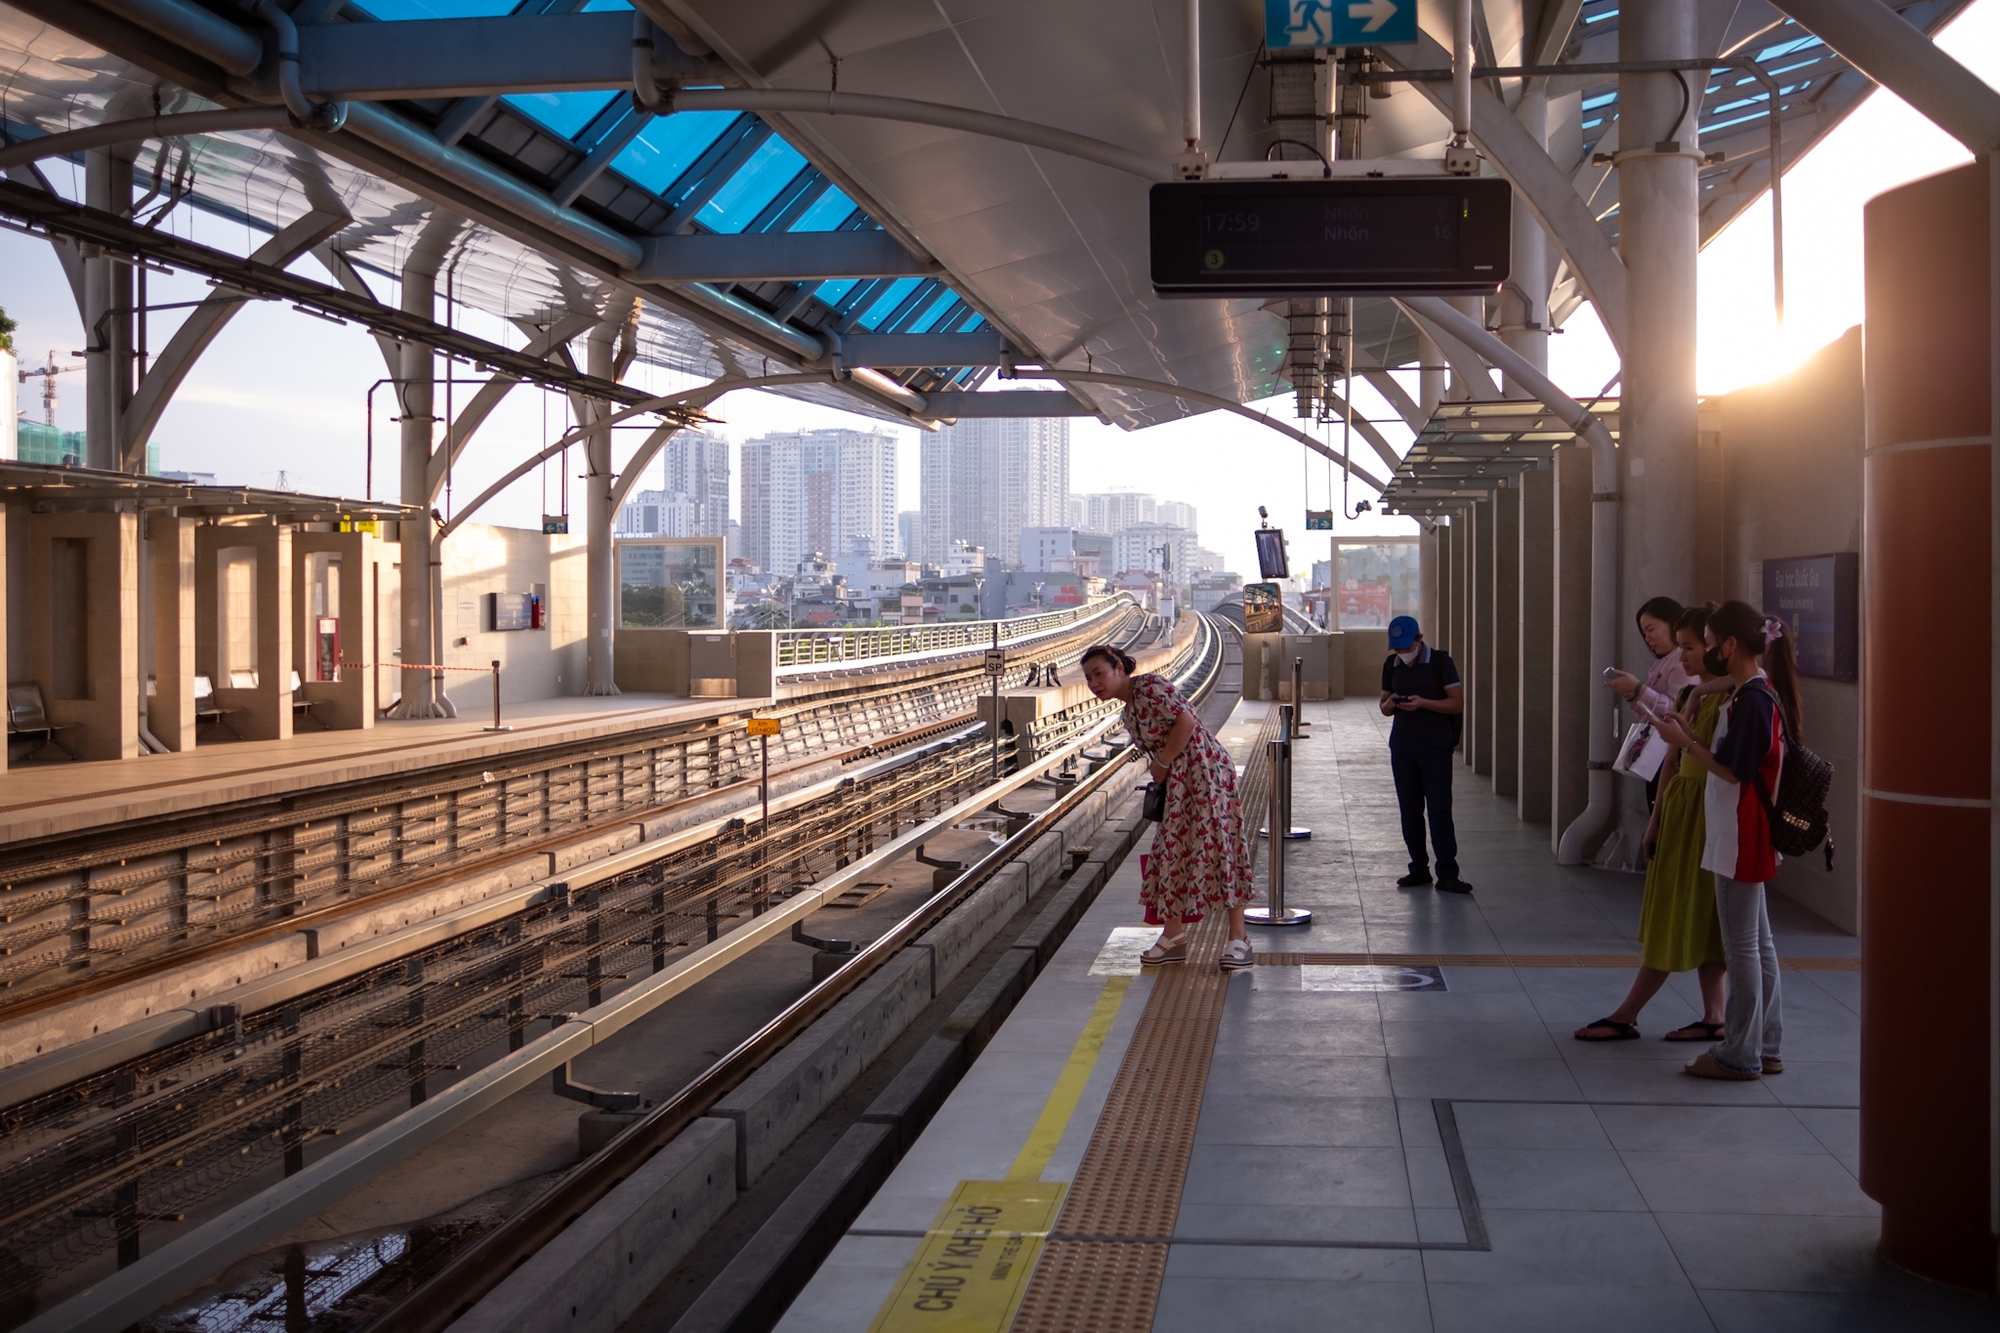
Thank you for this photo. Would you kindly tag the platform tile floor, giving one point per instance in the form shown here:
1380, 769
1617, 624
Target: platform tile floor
1613, 1191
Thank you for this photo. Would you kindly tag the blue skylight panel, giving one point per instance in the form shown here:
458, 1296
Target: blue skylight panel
565, 113
1787, 48
1592, 103
607, 6
1738, 104
669, 145
393, 10
891, 297
755, 184
939, 306
1758, 114
828, 212
972, 324
835, 290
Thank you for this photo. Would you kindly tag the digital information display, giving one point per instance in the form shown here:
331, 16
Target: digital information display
1351, 236
1271, 562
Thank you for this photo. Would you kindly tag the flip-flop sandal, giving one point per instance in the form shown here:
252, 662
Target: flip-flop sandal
1619, 1031
1696, 1031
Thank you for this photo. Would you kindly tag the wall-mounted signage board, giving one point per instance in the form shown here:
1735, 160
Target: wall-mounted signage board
1818, 598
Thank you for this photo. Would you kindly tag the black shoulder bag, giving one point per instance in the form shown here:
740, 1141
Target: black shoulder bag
1798, 814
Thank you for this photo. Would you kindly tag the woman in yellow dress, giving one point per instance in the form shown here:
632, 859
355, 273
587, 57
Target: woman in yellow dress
1677, 924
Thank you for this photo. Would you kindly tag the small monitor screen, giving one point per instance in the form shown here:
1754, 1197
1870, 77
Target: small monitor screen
1271, 562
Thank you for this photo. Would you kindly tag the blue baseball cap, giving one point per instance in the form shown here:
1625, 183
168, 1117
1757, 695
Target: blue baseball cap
1403, 632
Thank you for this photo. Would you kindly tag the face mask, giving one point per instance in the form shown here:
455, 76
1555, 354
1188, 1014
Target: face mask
1409, 657
1712, 663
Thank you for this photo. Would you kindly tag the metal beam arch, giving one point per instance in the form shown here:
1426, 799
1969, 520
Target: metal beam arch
1544, 186
473, 415
204, 324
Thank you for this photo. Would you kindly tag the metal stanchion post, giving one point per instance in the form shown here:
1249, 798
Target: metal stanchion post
1299, 723
496, 700
1293, 832
1274, 912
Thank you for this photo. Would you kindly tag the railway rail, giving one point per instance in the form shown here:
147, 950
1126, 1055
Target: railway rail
86, 1169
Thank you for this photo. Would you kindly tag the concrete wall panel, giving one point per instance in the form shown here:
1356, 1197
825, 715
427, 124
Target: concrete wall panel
594, 1276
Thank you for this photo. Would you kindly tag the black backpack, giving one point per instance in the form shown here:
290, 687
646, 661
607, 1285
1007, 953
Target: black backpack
1798, 813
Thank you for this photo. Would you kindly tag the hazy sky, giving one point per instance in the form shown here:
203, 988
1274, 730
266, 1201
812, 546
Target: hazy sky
280, 391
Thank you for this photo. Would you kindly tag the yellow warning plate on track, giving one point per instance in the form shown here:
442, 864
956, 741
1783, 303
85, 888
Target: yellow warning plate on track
969, 1273
763, 726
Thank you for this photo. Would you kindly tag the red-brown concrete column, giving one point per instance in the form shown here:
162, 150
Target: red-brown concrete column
1926, 803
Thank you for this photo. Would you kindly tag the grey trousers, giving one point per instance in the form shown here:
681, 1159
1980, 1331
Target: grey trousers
1753, 1022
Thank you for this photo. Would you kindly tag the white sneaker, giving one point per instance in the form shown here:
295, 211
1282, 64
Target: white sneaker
1237, 954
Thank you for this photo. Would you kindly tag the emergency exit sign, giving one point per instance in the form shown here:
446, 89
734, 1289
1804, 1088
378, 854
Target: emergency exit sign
1292, 24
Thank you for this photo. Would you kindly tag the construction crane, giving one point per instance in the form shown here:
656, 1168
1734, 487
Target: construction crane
48, 375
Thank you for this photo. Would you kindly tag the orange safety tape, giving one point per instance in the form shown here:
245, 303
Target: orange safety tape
414, 666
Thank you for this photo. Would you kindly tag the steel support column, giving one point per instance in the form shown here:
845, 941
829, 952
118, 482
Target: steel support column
600, 578
1504, 714
1660, 235
1535, 758
107, 317
1525, 757
1524, 301
421, 574
1430, 373
1483, 676
1572, 682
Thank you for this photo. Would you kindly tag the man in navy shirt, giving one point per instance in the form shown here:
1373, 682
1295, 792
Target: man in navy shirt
1420, 689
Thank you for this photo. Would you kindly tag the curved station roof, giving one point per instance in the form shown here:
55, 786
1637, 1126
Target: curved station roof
505, 142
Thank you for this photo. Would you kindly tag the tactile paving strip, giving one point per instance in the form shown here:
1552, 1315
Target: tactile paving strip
1094, 1277
1129, 1183
1511, 960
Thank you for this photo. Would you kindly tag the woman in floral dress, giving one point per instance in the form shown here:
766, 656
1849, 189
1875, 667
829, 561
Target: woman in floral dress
1200, 856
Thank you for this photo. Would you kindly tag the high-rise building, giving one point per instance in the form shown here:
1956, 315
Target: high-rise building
1114, 511
907, 528
697, 466
693, 502
1176, 514
985, 479
1145, 546
658, 514
769, 466
1049, 550
807, 492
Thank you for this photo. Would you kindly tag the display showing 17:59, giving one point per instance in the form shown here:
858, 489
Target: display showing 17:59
1230, 224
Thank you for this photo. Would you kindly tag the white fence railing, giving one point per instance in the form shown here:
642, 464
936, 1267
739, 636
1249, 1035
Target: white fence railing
809, 648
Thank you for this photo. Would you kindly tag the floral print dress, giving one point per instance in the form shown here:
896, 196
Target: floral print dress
1200, 856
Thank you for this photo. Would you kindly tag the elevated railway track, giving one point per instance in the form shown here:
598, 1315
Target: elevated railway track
86, 911
182, 1131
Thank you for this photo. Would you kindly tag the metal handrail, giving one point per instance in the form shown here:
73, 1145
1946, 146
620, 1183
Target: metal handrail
849, 647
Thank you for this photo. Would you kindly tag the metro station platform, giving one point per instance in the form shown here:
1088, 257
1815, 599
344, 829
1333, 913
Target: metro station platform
46, 798
1386, 1123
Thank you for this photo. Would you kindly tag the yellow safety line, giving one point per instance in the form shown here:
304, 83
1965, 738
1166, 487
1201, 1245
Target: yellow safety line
1047, 1134
972, 1267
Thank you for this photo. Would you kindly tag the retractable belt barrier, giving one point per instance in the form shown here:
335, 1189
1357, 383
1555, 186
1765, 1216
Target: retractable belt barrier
440, 666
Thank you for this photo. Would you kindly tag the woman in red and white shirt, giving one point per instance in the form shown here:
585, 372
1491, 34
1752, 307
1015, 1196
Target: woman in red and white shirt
1743, 766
